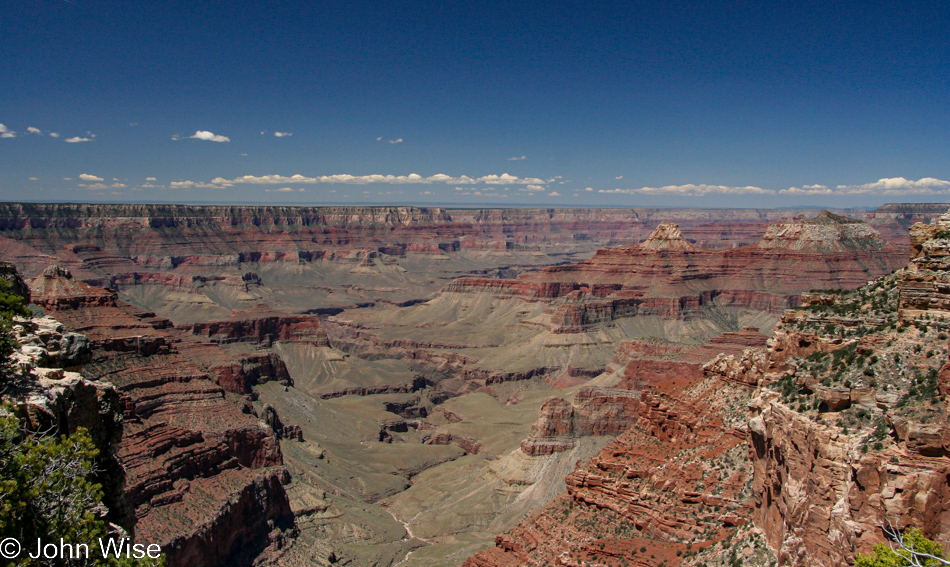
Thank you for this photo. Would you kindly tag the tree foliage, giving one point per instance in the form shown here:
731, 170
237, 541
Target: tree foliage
910, 549
45, 486
10, 304
46, 494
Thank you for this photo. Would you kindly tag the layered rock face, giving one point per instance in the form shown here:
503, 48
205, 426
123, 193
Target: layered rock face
850, 435
663, 489
819, 499
191, 263
847, 432
925, 284
202, 476
668, 276
262, 326
595, 411
827, 232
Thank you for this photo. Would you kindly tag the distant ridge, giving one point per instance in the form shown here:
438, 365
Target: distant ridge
935, 208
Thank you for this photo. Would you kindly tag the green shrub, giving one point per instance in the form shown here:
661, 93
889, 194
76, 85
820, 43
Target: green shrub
886, 556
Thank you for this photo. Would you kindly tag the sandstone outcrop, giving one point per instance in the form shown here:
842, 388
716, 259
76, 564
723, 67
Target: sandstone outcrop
925, 284
47, 343
819, 500
595, 411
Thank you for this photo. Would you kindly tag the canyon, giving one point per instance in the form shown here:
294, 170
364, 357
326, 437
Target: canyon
396, 385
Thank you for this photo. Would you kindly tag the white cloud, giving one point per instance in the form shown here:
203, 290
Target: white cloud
532, 188
588, 189
196, 185
77, 139
89, 177
99, 186
6, 132
517, 158
808, 190
209, 136
150, 179
619, 177
554, 194
34, 179
32, 130
54, 134
396, 141
502, 179
283, 134
505, 179
693, 190
890, 186
281, 190
426, 193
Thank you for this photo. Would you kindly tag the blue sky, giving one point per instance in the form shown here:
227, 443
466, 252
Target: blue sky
674, 103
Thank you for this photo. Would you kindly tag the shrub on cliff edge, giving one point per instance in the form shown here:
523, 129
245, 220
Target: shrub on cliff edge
46, 494
911, 549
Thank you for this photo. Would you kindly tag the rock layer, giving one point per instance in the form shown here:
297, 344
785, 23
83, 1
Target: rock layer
669, 277
203, 477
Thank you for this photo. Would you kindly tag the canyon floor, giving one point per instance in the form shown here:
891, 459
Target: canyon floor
399, 386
